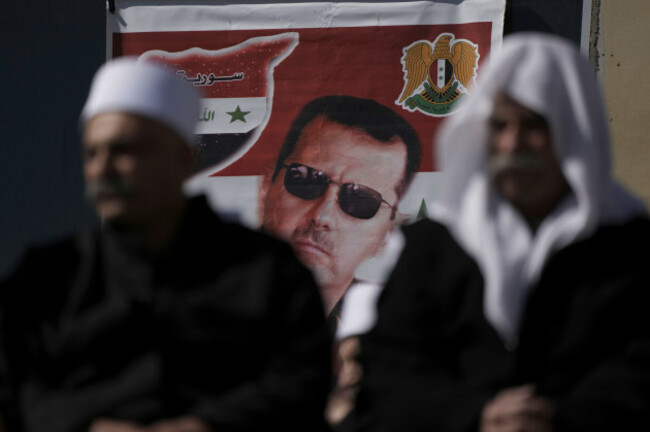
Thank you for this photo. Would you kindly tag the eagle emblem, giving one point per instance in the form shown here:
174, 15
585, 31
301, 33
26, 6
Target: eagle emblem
437, 75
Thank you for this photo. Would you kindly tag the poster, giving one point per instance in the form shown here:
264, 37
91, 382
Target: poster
333, 193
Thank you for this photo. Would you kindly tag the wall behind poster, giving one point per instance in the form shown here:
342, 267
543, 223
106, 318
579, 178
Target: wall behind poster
63, 44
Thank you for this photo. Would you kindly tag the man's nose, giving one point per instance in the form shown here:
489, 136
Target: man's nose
513, 138
323, 209
102, 165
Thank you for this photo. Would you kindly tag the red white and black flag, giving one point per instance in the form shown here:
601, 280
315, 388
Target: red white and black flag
237, 87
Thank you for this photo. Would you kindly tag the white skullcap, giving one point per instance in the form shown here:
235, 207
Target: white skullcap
147, 89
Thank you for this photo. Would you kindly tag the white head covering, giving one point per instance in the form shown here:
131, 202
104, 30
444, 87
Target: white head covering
549, 76
144, 88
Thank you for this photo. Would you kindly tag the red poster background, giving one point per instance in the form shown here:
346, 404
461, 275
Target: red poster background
357, 61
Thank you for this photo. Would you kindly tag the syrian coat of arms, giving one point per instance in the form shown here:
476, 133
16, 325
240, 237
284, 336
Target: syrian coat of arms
437, 74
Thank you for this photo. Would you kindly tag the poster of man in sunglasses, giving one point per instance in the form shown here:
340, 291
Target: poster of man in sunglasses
318, 128
336, 184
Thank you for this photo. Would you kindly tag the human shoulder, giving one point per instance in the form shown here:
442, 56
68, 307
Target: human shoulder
617, 253
432, 267
45, 268
618, 241
244, 241
231, 237
249, 259
431, 241
54, 255
424, 227
633, 230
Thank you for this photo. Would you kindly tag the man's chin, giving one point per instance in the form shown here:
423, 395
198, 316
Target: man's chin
309, 252
315, 260
322, 275
112, 212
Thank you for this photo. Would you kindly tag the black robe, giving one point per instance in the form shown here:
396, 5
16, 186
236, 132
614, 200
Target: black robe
226, 325
433, 361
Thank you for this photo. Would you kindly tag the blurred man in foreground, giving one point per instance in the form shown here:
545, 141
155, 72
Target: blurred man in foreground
167, 318
523, 305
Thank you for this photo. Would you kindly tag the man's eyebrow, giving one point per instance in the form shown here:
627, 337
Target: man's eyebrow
502, 114
137, 139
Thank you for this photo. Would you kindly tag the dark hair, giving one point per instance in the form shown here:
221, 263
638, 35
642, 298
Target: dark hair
378, 121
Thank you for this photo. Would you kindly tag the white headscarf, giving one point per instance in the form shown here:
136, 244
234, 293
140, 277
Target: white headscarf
549, 76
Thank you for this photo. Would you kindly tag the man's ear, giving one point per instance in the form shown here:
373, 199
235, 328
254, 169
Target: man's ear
265, 181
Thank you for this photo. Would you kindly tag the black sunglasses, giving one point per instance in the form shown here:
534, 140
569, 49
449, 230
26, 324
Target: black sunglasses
356, 200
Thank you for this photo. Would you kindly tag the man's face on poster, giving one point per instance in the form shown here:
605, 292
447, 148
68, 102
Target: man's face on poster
332, 226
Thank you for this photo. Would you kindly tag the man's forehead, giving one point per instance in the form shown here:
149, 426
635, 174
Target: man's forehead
505, 105
326, 140
120, 127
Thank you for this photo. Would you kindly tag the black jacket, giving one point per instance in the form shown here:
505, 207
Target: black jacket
433, 361
226, 325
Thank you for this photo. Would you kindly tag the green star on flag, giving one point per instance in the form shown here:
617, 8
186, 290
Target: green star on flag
237, 114
422, 212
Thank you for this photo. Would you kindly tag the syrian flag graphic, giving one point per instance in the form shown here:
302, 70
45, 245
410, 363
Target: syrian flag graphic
237, 86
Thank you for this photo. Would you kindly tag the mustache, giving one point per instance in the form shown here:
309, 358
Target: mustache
315, 235
499, 163
99, 187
